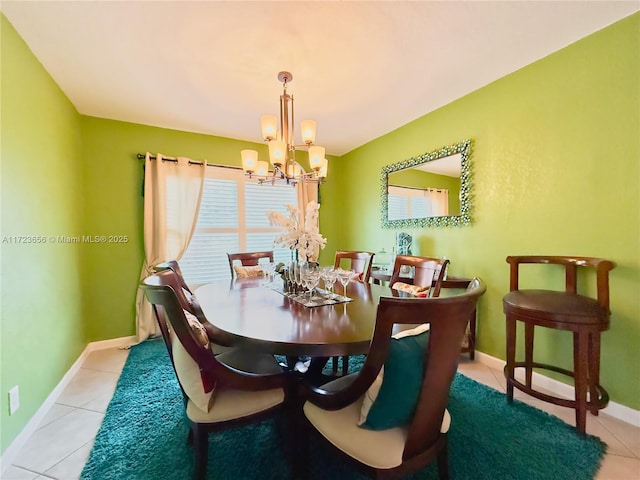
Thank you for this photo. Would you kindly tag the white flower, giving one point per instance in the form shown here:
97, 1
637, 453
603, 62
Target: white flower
306, 237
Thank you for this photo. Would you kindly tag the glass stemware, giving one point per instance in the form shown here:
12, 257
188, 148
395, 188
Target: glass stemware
298, 278
310, 276
329, 277
294, 277
270, 272
290, 277
345, 276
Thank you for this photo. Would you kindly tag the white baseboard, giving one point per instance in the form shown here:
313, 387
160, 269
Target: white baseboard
9, 455
616, 410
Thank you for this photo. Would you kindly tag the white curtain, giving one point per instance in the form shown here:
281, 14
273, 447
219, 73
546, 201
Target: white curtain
307, 192
172, 195
438, 200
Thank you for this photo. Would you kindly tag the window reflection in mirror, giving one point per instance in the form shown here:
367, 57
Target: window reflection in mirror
428, 190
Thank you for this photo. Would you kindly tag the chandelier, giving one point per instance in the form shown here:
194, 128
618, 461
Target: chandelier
282, 149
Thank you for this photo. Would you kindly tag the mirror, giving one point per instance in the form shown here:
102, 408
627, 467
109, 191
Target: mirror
431, 189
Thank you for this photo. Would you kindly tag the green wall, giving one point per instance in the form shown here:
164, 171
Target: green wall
555, 165
555, 161
42, 329
114, 206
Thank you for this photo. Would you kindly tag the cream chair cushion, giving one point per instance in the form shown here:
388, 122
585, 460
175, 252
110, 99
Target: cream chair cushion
250, 271
189, 376
376, 448
230, 404
197, 328
415, 290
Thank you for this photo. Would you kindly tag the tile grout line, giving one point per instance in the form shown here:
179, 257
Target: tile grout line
476, 375
64, 458
593, 418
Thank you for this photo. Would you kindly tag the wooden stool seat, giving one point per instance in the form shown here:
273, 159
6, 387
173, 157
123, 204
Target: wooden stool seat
547, 308
565, 310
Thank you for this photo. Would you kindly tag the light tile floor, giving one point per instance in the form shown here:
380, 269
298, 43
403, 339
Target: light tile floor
61, 445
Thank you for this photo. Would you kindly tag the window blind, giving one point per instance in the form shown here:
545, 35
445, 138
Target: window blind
233, 218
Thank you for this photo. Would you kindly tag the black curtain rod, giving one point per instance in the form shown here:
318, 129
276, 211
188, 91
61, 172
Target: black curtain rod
142, 156
416, 188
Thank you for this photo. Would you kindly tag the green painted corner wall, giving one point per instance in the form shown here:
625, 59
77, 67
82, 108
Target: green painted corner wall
42, 329
556, 169
114, 206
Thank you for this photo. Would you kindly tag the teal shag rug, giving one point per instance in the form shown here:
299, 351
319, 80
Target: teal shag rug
143, 437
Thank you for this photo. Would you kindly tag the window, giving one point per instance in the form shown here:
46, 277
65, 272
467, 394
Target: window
410, 202
233, 218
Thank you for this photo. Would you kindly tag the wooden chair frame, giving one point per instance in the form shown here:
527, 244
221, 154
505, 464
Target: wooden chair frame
361, 262
162, 291
427, 271
448, 317
585, 317
248, 259
191, 304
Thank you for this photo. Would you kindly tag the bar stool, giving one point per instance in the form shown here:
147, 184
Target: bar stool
584, 316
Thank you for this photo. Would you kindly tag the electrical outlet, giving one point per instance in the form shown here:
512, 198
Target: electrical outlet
14, 400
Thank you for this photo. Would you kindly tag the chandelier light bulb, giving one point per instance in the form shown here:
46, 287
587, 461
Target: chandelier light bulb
277, 152
263, 169
249, 160
322, 173
269, 127
316, 156
308, 128
294, 170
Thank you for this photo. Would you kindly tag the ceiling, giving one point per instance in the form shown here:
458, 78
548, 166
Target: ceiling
361, 69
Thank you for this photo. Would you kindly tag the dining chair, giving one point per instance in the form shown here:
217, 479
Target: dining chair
432, 271
360, 262
428, 272
393, 421
220, 341
247, 259
220, 391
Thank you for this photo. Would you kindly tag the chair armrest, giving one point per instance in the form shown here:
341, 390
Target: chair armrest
329, 399
230, 377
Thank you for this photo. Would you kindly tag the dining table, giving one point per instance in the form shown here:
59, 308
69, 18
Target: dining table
257, 314
254, 313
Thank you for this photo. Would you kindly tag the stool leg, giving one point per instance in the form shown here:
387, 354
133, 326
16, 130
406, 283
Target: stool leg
511, 355
594, 370
472, 335
528, 351
580, 366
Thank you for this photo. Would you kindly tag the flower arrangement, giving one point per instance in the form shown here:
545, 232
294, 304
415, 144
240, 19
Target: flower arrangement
300, 233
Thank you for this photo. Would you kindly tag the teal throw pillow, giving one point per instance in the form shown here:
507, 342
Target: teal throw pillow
403, 372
